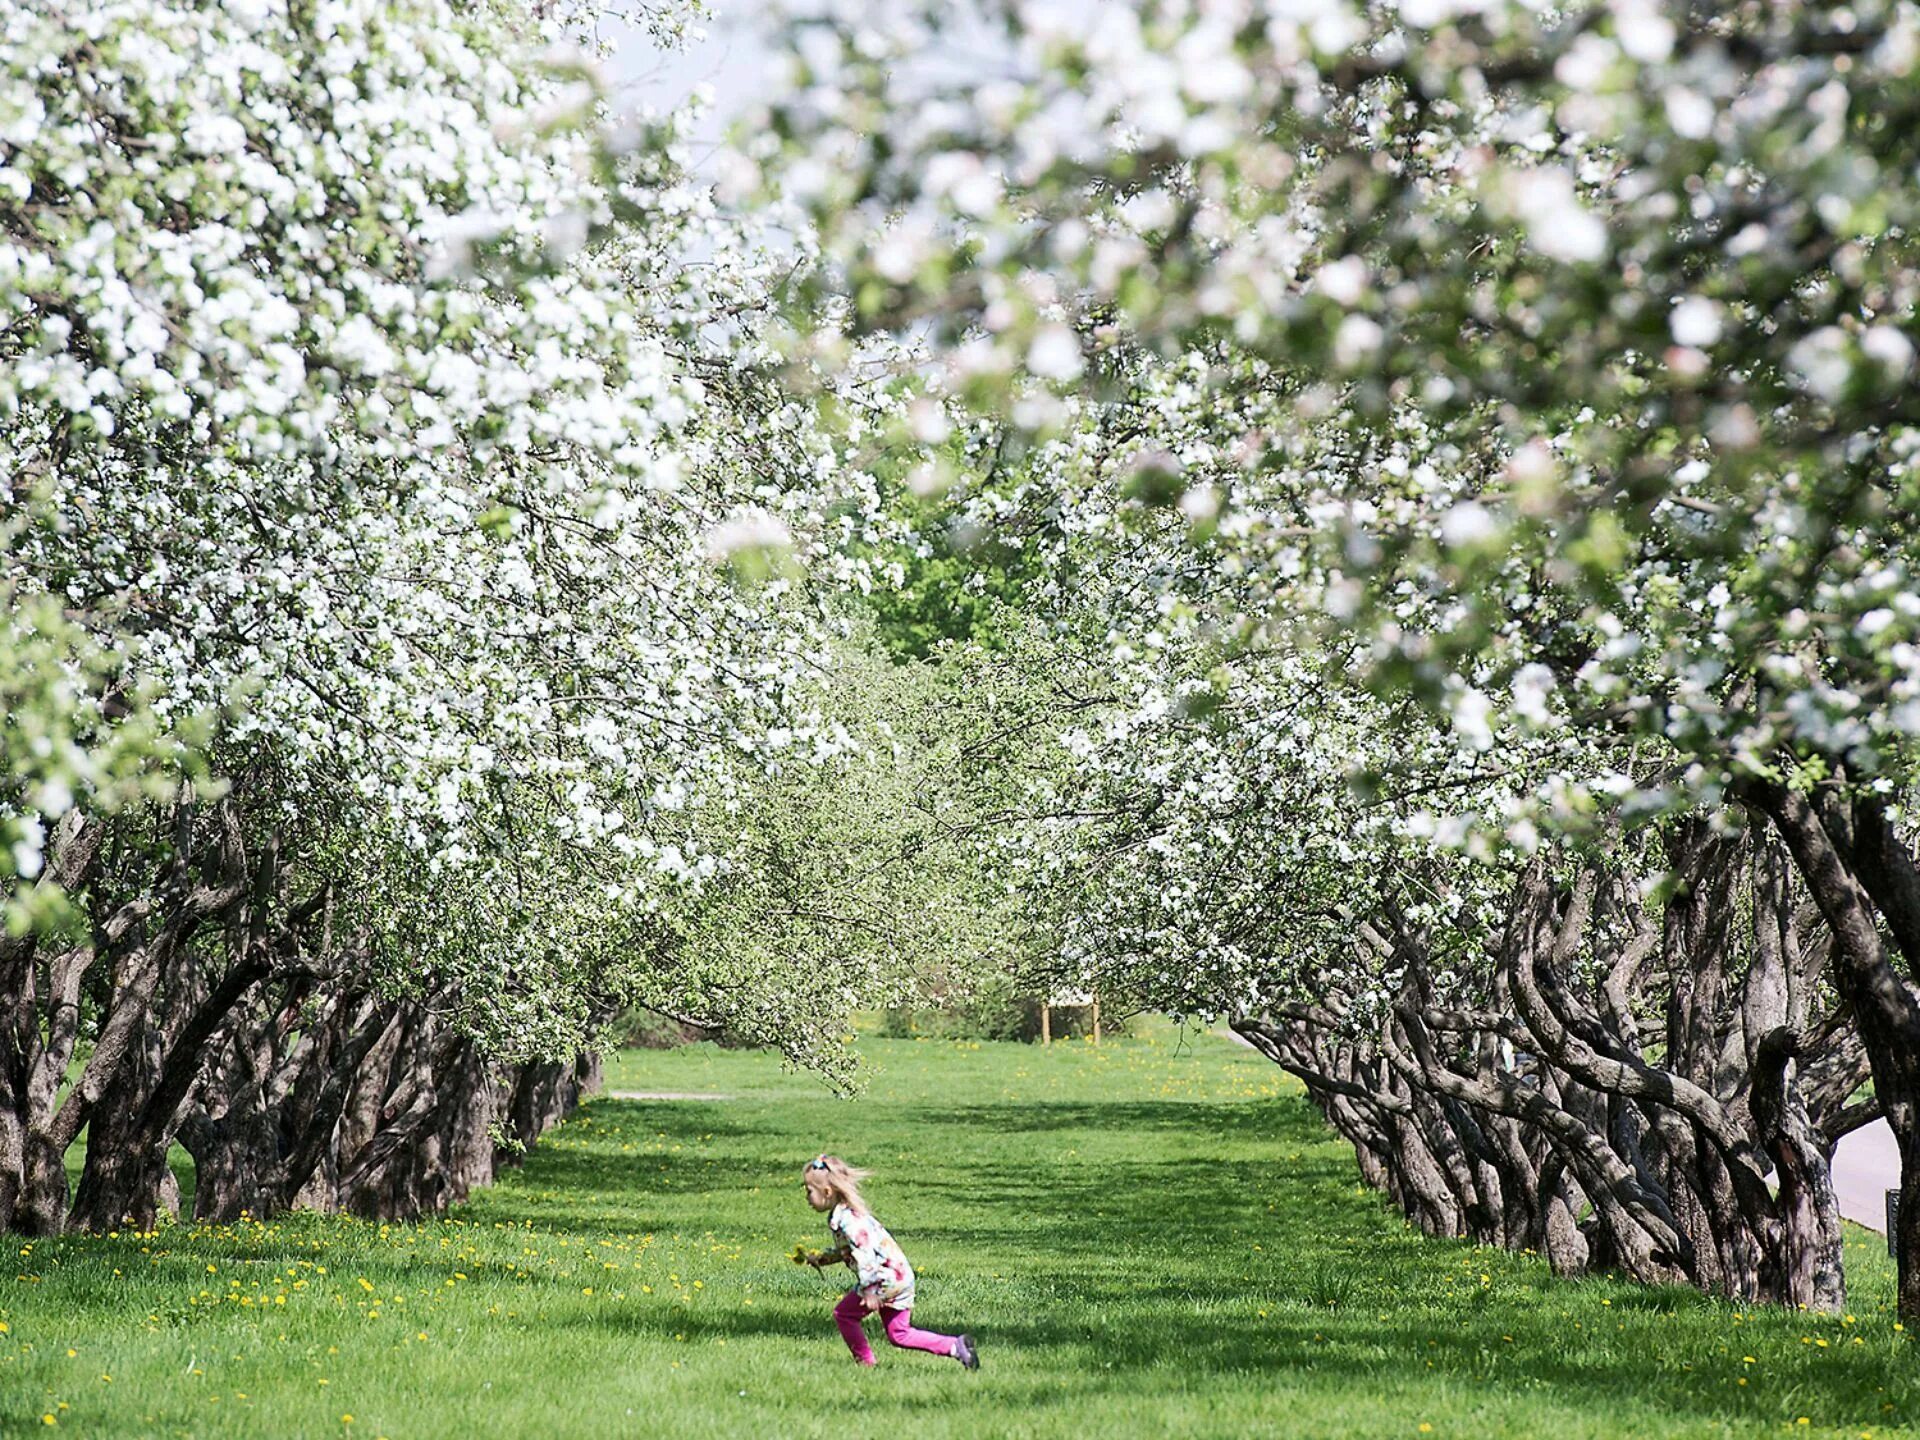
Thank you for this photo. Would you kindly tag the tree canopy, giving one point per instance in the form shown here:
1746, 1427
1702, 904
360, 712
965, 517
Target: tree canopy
1387, 525
1479, 434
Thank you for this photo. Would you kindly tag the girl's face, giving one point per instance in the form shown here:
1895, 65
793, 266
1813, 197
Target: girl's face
818, 1196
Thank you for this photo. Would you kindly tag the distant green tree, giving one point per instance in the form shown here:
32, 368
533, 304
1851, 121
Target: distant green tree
954, 579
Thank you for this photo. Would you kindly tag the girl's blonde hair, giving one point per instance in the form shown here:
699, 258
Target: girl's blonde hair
830, 1175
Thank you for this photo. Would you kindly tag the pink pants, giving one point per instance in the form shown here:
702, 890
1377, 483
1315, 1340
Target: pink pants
852, 1310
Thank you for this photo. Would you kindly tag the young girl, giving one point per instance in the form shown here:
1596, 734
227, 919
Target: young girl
886, 1279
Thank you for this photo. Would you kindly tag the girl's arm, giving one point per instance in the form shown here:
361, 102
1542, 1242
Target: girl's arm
842, 1251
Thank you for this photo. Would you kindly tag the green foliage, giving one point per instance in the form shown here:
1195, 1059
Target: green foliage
847, 875
949, 592
638, 1028
953, 580
1150, 1237
990, 1006
998, 1008
75, 731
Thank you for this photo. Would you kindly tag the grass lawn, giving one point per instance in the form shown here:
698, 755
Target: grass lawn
1155, 1237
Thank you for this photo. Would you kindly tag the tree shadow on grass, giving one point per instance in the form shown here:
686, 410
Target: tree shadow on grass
1295, 1346
1150, 1268
603, 1119
1264, 1118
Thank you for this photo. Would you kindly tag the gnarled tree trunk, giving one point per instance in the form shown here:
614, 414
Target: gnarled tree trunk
1502, 1120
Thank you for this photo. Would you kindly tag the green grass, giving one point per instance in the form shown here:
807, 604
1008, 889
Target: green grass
1152, 1238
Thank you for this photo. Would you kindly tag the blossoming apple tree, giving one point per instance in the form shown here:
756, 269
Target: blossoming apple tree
1563, 358
402, 545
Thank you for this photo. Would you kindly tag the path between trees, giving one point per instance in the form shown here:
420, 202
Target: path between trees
1866, 1164
666, 1095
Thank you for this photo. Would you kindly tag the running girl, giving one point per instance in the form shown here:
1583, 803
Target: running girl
885, 1280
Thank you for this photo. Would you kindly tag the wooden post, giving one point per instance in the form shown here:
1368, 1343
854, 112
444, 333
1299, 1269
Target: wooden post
1096, 1017
1046, 1023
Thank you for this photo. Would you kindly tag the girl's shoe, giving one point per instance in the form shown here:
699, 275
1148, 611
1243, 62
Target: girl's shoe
963, 1351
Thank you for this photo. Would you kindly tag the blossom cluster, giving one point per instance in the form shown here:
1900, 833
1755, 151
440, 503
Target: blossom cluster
378, 407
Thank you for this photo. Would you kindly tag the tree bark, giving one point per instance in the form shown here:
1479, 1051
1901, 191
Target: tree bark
1883, 1006
1503, 1123
1812, 1268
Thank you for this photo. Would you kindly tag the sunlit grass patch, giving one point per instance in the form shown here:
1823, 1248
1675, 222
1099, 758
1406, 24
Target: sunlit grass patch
1154, 1236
